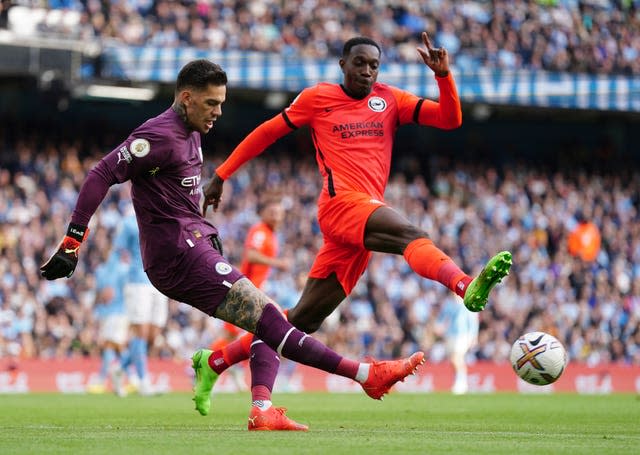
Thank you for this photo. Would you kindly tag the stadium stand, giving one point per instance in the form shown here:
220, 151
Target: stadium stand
593, 36
469, 209
594, 308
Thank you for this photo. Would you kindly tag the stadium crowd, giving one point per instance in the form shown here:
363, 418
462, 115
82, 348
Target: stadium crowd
470, 210
594, 36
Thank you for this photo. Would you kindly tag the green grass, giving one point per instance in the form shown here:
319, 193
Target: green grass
339, 424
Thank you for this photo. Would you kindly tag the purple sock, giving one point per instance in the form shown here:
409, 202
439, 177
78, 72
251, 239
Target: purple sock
264, 364
293, 344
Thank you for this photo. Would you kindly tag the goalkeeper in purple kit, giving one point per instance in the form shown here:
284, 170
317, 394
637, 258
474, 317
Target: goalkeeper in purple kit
182, 254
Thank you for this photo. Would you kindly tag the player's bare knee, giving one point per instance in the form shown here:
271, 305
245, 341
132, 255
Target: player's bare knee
409, 232
303, 322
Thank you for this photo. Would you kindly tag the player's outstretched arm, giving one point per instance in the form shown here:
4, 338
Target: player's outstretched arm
254, 144
435, 58
95, 187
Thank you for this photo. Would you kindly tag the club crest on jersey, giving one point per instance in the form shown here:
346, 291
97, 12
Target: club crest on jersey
223, 268
140, 147
377, 104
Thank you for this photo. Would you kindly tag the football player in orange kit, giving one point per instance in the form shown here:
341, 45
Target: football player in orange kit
260, 254
353, 125
261, 245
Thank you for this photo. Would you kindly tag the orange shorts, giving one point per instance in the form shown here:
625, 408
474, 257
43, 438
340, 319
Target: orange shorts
342, 221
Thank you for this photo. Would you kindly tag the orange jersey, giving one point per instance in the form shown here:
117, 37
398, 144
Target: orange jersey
585, 241
262, 238
353, 138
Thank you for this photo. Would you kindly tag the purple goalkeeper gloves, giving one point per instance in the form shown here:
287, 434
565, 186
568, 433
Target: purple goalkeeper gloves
64, 260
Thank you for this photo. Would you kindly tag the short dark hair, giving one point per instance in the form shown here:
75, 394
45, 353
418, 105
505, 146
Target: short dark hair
356, 41
199, 74
270, 199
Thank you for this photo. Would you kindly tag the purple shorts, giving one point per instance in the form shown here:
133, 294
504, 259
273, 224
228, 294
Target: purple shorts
201, 277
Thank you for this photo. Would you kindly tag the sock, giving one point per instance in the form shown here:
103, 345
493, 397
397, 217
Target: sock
264, 364
263, 405
363, 372
108, 357
289, 342
138, 347
217, 362
125, 359
236, 351
430, 262
348, 368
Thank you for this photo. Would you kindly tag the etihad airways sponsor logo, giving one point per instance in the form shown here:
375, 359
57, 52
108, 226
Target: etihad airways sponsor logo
359, 129
192, 182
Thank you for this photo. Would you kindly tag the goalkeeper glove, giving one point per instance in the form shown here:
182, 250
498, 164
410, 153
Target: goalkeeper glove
64, 260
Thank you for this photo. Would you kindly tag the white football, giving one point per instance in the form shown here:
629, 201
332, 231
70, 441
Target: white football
538, 358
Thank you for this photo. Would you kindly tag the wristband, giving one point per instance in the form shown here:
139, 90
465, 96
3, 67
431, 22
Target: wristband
77, 232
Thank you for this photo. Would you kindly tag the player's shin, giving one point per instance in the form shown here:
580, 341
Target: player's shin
430, 262
376, 378
264, 366
287, 341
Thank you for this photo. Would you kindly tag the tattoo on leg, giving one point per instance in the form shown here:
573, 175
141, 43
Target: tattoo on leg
243, 305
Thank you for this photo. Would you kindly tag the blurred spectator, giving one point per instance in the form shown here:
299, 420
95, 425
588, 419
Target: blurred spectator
584, 240
470, 209
563, 35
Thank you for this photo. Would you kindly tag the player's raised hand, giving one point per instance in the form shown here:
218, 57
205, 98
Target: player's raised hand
435, 58
212, 194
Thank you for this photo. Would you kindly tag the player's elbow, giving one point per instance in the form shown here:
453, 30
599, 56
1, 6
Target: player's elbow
452, 121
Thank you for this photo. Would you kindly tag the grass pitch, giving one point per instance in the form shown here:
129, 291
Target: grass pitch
339, 424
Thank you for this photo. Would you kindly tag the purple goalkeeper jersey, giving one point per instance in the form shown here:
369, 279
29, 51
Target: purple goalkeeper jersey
163, 160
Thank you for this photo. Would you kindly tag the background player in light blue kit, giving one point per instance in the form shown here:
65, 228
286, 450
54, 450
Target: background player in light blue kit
110, 313
146, 307
459, 328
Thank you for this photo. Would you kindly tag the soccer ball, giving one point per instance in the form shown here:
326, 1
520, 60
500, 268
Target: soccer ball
538, 358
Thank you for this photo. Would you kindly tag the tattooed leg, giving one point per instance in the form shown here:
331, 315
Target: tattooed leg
249, 308
243, 305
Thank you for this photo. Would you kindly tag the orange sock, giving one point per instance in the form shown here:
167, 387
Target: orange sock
428, 261
238, 350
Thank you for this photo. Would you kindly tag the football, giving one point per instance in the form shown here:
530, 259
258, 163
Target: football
538, 358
